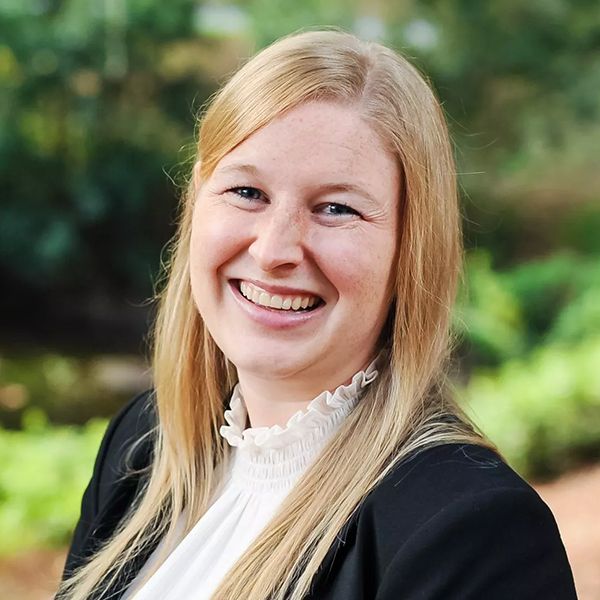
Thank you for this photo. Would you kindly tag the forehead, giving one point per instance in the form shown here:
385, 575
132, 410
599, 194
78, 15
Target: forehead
314, 141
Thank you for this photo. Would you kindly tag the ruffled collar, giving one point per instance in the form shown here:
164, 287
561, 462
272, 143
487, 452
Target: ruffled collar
317, 413
270, 459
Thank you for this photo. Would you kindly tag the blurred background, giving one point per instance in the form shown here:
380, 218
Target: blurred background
98, 106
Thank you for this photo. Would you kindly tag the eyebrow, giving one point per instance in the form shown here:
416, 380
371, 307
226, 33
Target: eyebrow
351, 188
244, 168
348, 188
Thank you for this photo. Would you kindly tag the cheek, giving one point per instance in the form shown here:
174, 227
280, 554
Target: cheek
359, 267
215, 239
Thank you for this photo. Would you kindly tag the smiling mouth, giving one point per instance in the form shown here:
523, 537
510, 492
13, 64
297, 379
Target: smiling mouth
277, 302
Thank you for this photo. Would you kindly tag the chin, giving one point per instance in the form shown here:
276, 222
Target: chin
270, 365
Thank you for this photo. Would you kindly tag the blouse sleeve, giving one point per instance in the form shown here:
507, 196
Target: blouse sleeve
499, 544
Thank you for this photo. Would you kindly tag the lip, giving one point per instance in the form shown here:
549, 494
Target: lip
271, 317
278, 289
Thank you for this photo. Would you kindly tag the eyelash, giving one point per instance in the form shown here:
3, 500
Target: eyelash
238, 189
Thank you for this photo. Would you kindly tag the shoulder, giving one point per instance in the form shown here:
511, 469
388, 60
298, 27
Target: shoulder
135, 419
435, 481
126, 444
125, 447
462, 509
434, 477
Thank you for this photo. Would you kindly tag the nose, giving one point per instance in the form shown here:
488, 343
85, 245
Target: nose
278, 239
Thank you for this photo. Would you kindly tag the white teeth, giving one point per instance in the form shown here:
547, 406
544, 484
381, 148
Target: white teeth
263, 298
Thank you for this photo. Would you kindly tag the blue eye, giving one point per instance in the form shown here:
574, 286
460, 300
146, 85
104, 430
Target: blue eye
340, 209
250, 193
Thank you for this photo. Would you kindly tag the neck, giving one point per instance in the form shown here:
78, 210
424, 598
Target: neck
273, 401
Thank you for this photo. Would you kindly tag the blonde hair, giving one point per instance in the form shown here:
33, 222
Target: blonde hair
404, 410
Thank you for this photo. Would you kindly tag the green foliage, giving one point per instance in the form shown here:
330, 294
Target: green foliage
543, 287
44, 472
537, 328
271, 20
579, 319
542, 410
502, 315
558, 296
94, 109
488, 314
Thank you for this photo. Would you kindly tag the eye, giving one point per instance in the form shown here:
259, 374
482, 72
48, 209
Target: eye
250, 193
335, 209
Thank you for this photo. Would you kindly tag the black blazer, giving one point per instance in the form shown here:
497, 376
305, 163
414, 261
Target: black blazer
452, 522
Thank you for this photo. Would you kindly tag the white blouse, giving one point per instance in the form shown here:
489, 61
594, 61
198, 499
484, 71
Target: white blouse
265, 464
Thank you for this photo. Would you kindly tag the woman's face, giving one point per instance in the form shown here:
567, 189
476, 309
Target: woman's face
302, 217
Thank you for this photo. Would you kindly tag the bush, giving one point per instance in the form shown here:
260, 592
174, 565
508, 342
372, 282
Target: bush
557, 297
44, 472
505, 315
488, 314
543, 410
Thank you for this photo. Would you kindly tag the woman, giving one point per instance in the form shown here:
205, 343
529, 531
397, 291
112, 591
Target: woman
310, 292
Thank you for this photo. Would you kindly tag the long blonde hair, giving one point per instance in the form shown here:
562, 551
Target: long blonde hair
404, 410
